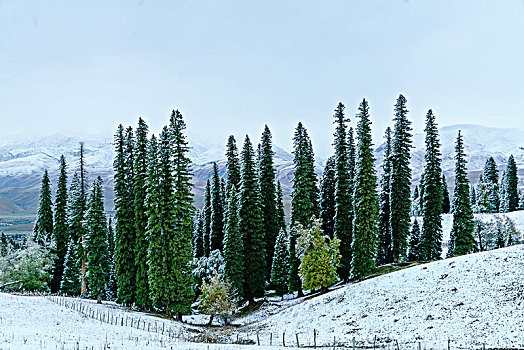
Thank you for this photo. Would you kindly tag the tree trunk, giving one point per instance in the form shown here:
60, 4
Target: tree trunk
99, 299
179, 316
211, 319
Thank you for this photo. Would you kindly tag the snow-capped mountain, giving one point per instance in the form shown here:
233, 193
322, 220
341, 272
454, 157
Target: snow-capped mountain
22, 161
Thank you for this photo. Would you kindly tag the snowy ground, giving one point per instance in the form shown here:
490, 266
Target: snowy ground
472, 300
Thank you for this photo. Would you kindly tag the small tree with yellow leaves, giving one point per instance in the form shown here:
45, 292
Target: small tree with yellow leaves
217, 299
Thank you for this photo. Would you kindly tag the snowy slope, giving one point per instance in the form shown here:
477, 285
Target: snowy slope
471, 300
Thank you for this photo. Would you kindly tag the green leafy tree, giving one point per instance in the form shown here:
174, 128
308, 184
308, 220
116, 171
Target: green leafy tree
430, 246
96, 243
400, 201
250, 226
462, 241
216, 299
343, 224
280, 267
319, 257
384, 252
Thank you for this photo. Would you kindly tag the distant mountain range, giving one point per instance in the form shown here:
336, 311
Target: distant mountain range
22, 162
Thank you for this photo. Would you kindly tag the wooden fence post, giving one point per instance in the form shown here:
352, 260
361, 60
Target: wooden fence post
298, 344
315, 338
284, 339
354, 347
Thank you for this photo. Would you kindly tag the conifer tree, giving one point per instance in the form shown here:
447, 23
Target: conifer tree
446, 206
125, 268
414, 240
233, 245
140, 214
343, 223
268, 203
43, 230
415, 203
60, 227
365, 228
511, 186
400, 200
96, 243
384, 253
472, 199
280, 267
250, 224
294, 283
327, 197
70, 284
430, 246
462, 241
281, 215
198, 236
76, 209
183, 207
352, 156
233, 164
207, 219
217, 212
111, 279
304, 197
491, 178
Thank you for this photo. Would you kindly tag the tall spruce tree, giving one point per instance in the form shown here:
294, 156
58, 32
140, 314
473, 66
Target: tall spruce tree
511, 186
462, 241
430, 245
281, 215
112, 288
233, 245
294, 281
207, 210
446, 205
250, 226
43, 230
97, 251
280, 267
233, 164
60, 227
70, 284
198, 235
268, 203
384, 252
352, 156
327, 197
400, 201
76, 210
140, 215
365, 228
183, 224
491, 179
414, 242
125, 237
217, 212
343, 223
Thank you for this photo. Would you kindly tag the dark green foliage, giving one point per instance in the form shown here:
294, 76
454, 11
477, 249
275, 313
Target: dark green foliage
510, 184
268, 202
446, 206
250, 226
76, 210
70, 284
400, 200
414, 253
461, 241
207, 210
352, 155
490, 174
125, 236
384, 251
60, 227
111, 280
365, 228
4, 244
472, 199
183, 207
140, 215
217, 212
97, 251
233, 245
490, 177
281, 215
198, 235
43, 229
343, 223
280, 267
233, 164
327, 197
304, 197
430, 246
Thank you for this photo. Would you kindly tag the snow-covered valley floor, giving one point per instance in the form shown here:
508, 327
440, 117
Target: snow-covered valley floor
471, 301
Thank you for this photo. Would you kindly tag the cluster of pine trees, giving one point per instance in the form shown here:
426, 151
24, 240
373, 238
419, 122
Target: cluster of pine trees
76, 229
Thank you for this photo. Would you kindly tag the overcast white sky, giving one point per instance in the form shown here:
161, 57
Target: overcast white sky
232, 66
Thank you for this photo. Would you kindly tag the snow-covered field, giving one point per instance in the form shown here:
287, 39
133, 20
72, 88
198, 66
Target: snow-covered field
471, 301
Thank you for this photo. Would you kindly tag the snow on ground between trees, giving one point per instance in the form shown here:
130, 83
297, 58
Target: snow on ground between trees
473, 300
